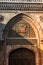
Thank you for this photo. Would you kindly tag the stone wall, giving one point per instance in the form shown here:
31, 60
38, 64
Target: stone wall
37, 20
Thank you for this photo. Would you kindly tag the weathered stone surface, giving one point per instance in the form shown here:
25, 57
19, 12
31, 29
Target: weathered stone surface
35, 22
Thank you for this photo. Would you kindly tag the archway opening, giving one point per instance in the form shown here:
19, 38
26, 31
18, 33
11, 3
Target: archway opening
22, 56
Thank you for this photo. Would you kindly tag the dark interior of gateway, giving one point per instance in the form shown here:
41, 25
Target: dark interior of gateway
22, 56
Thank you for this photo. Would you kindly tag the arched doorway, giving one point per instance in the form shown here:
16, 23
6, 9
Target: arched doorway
21, 32
22, 56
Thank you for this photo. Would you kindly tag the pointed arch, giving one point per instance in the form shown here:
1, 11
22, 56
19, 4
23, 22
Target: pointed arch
16, 19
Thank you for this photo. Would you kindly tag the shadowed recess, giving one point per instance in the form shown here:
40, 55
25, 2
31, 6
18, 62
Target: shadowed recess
22, 56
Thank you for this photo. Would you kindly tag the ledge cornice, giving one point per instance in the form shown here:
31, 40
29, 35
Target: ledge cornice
21, 6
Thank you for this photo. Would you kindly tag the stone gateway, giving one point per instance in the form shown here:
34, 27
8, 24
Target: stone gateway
21, 32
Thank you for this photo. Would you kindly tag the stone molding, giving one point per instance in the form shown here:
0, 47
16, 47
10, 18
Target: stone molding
21, 6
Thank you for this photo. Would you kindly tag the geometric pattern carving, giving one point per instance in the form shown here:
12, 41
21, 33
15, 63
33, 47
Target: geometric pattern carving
21, 6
